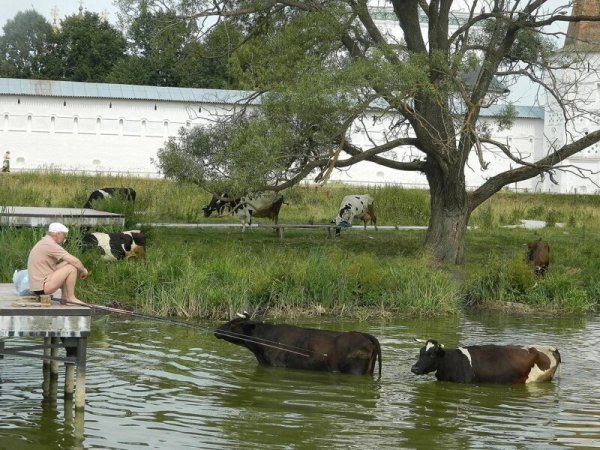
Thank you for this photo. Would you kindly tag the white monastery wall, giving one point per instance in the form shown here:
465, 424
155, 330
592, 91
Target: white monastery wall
100, 135
94, 135
581, 173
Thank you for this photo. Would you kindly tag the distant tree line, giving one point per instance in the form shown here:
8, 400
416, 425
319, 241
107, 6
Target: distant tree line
157, 48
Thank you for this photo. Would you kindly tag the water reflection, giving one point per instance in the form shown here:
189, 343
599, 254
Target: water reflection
308, 405
159, 386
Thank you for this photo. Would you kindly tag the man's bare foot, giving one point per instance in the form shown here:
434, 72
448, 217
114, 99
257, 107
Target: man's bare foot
74, 301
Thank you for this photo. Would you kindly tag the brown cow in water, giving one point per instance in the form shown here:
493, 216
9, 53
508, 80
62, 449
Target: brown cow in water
502, 364
538, 253
304, 348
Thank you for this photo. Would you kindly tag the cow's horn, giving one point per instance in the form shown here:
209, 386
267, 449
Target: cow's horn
421, 341
241, 316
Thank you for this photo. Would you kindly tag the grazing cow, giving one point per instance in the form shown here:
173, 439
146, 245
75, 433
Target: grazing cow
127, 193
538, 253
504, 364
261, 204
356, 206
304, 348
219, 203
113, 246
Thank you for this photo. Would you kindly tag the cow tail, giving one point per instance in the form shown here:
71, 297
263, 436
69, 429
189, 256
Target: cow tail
375, 342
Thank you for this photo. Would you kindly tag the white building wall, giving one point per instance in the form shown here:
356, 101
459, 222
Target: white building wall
95, 135
579, 84
98, 135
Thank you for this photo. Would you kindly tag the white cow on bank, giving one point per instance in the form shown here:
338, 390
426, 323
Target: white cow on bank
356, 207
262, 204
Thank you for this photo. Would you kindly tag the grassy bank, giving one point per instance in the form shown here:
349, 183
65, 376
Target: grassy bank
213, 273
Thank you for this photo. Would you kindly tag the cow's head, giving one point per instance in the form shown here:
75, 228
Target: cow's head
137, 247
235, 330
429, 358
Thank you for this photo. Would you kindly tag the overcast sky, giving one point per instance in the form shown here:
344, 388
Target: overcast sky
9, 8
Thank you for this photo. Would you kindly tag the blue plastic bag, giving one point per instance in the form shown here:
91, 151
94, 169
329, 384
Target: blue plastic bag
21, 280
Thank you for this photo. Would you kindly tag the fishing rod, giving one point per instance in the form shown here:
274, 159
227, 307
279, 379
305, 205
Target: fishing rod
242, 337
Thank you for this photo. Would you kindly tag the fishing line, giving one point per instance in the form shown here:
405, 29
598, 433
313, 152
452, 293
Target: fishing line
255, 340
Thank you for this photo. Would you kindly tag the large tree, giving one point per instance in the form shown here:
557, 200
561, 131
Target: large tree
326, 67
24, 45
166, 49
87, 48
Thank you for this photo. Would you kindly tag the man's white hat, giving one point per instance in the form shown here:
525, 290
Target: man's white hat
57, 228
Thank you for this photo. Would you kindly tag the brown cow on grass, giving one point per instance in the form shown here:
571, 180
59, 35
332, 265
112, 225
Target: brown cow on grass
538, 253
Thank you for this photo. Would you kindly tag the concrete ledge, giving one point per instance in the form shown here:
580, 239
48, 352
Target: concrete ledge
32, 216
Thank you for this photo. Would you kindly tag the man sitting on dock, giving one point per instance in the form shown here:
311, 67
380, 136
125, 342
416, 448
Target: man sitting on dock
51, 267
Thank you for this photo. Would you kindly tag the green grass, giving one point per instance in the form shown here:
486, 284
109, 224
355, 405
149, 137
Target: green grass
212, 273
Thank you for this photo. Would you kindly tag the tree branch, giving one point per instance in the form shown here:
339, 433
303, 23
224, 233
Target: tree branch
497, 182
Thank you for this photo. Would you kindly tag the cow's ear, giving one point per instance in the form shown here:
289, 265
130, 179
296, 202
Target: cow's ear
440, 350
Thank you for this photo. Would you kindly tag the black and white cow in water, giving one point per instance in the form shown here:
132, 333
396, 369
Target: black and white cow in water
99, 194
219, 203
304, 348
356, 207
114, 246
502, 364
260, 204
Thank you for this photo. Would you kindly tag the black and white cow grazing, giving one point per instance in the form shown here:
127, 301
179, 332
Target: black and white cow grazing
503, 364
113, 246
127, 193
356, 207
219, 203
261, 204
304, 348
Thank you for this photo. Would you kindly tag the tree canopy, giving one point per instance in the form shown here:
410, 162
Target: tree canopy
324, 68
88, 47
159, 48
24, 44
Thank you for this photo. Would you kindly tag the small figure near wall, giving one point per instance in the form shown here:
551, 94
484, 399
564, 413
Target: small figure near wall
6, 162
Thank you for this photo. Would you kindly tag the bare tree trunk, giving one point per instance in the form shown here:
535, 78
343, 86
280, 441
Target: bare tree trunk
448, 220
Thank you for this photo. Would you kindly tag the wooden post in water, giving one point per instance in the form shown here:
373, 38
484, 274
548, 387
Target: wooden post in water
80, 388
54, 354
69, 380
46, 370
46, 362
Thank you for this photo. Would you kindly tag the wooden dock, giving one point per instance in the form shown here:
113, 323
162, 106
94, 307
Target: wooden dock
60, 326
32, 216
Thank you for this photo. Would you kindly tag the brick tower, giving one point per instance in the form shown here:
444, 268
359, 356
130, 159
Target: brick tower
584, 34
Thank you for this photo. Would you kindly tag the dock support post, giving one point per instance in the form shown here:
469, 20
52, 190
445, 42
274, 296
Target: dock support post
54, 353
46, 362
69, 380
80, 384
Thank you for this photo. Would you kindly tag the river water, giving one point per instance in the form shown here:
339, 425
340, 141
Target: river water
158, 386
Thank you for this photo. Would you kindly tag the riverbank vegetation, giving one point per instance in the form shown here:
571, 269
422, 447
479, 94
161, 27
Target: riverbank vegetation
213, 273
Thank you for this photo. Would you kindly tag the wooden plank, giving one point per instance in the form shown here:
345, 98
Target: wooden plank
280, 228
31, 216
